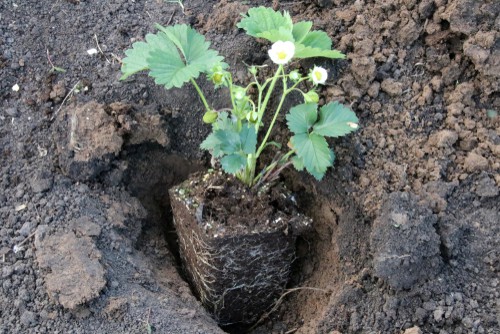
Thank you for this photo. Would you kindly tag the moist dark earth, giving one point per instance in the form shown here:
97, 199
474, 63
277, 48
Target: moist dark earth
406, 225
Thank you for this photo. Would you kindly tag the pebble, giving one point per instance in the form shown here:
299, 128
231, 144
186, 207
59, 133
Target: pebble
429, 306
25, 229
473, 303
413, 330
475, 162
40, 185
438, 314
12, 112
28, 318
7, 271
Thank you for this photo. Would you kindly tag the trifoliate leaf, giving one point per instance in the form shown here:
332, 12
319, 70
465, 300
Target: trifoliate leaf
212, 144
335, 120
297, 163
174, 56
281, 34
233, 163
318, 40
302, 52
263, 19
136, 59
313, 150
229, 141
224, 122
248, 139
302, 117
197, 58
300, 30
265, 23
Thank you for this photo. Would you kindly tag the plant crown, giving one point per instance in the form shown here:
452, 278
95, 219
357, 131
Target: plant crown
179, 54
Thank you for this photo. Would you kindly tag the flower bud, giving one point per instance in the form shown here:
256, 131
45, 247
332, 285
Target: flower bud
239, 93
294, 76
253, 70
210, 117
252, 116
311, 97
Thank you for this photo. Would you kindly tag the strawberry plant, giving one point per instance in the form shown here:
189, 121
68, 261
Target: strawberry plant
178, 54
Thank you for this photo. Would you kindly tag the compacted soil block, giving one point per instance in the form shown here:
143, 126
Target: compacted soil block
236, 244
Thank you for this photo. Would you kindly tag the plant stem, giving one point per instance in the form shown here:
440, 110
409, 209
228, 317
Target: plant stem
268, 94
200, 93
283, 96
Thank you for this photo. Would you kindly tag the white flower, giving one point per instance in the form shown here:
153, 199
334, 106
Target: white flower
15, 88
318, 75
353, 125
281, 52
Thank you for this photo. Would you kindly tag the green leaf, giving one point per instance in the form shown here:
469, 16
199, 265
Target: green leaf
302, 52
212, 144
265, 23
233, 163
297, 163
302, 117
314, 152
248, 139
136, 59
262, 19
58, 69
281, 34
224, 122
172, 71
335, 120
229, 141
317, 40
174, 56
300, 30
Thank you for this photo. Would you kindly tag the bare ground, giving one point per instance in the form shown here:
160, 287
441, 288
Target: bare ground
406, 224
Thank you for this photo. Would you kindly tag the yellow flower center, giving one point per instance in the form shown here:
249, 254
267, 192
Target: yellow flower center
318, 75
281, 55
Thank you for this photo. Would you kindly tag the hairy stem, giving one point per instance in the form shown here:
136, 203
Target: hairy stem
200, 93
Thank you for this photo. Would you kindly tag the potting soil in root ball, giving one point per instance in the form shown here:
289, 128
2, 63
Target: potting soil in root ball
237, 244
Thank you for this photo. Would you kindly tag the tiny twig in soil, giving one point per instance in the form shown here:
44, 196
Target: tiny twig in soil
17, 247
280, 300
63, 101
99, 48
54, 68
146, 322
171, 17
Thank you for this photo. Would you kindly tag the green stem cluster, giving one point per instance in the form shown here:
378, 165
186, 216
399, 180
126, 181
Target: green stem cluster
265, 90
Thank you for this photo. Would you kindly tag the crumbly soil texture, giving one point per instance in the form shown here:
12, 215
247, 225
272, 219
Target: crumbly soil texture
406, 226
236, 243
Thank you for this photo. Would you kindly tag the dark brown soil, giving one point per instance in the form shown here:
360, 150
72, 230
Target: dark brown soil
237, 244
406, 226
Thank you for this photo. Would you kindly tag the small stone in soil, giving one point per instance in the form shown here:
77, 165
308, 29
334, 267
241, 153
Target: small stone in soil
28, 318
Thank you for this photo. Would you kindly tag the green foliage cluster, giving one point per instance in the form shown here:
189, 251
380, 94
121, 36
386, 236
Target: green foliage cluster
178, 54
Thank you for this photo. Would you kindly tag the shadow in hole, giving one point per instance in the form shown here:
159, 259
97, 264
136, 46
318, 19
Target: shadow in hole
151, 171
